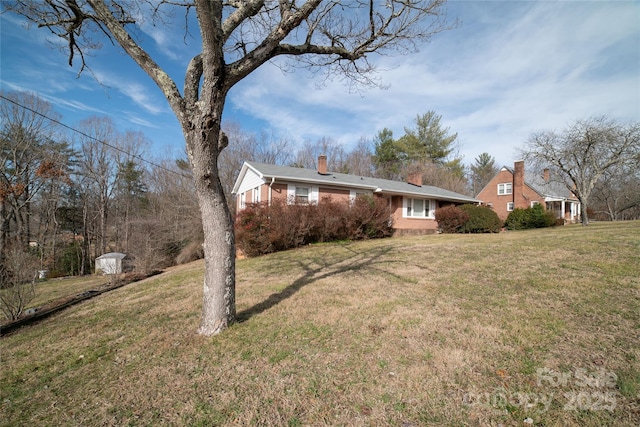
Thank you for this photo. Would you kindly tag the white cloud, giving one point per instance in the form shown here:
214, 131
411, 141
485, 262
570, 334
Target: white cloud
512, 68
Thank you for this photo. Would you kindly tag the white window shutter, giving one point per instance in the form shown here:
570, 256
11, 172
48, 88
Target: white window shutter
291, 193
314, 196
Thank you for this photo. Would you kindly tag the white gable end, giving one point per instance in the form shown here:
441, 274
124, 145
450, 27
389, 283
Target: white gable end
250, 181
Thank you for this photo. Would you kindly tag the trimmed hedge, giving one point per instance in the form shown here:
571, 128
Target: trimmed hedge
482, 219
534, 217
468, 219
263, 229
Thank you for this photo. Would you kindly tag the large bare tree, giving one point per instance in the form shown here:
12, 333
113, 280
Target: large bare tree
584, 152
29, 160
237, 38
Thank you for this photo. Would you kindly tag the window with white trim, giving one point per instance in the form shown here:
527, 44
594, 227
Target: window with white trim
418, 208
504, 188
534, 202
509, 206
302, 194
255, 196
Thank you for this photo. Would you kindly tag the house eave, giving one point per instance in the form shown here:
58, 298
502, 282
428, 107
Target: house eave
426, 195
559, 199
319, 182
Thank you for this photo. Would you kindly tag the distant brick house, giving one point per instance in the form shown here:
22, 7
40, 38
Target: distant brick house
412, 204
514, 188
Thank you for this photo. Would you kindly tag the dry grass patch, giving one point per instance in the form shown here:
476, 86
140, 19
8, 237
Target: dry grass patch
53, 289
434, 330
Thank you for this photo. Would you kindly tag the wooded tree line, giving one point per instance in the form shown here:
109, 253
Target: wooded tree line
68, 196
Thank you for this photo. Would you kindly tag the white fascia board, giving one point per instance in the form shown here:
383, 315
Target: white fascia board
427, 196
243, 171
320, 182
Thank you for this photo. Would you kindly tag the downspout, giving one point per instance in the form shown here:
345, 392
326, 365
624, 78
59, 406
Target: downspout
273, 179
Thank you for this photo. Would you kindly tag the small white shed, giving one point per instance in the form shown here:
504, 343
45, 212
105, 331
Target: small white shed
111, 263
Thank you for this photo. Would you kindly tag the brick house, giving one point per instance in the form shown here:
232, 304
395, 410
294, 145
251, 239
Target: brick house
413, 204
515, 188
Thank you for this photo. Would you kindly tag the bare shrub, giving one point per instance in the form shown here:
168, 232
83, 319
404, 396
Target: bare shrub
451, 218
262, 229
369, 218
17, 282
191, 252
329, 220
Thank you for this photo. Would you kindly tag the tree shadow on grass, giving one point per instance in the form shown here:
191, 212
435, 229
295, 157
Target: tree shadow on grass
319, 268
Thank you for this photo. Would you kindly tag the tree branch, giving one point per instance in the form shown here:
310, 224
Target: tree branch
140, 56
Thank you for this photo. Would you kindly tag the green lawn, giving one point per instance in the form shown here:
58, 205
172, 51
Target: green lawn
446, 330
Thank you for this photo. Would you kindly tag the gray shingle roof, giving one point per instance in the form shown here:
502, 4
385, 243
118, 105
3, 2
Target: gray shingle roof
554, 188
384, 186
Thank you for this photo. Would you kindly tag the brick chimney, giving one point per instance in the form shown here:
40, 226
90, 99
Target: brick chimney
322, 164
545, 174
415, 178
519, 200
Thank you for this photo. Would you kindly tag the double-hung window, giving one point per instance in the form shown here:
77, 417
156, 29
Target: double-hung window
509, 206
302, 195
504, 188
418, 208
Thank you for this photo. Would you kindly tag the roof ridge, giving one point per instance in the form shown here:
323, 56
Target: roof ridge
345, 180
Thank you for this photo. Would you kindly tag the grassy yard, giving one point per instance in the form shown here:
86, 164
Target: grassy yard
55, 289
536, 327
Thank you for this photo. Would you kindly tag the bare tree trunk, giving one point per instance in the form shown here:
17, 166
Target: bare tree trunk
4, 229
218, 308
584, 218
103, 223
84, 265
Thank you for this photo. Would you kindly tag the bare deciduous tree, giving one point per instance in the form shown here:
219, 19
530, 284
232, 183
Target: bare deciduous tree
307, 155
172, 214
28, 158
360, 160
238, 37
616, 195
584, 152
98, 172
18, 277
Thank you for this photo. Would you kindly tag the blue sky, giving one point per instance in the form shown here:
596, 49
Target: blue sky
510, 69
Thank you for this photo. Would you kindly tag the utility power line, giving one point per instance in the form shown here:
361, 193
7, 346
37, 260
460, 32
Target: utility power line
113, 147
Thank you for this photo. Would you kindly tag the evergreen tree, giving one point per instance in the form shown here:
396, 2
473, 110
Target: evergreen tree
482, 171
428, 142
388, 159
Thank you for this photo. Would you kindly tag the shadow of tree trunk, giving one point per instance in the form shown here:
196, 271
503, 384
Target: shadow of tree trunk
355, 262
